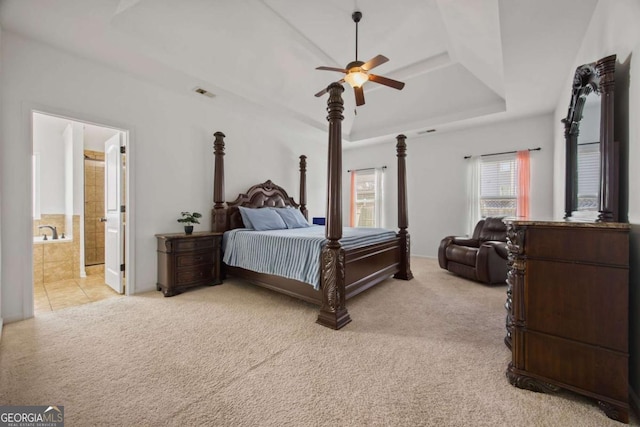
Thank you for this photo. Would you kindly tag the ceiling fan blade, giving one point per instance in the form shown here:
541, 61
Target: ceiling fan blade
323, 91
374, 62
386, 81
359, 95
340, 70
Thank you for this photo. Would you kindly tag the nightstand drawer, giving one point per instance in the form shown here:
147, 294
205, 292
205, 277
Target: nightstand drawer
194, 244
194, 274
187, 260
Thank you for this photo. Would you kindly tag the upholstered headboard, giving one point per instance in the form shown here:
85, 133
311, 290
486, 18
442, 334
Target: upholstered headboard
262, 195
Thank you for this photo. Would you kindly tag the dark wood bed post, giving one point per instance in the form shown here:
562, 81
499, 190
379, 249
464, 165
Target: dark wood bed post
333, 312
403, 214
303, 186
219, 211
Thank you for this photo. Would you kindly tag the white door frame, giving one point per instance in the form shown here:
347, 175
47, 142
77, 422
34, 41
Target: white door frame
129, 176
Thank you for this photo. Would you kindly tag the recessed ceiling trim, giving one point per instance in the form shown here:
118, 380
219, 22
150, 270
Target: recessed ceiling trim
307, 42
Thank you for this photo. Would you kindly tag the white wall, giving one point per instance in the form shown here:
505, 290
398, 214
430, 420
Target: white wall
1, 193
437, 175
170, 153
614, 29
77, 156
49, 140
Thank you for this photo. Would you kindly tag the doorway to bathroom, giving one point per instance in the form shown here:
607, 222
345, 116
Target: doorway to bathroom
78, 173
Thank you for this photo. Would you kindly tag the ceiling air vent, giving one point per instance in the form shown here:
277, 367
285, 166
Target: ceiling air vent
422, 132
203, 92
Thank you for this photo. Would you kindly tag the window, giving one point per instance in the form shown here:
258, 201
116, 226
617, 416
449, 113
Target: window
366, 197
588, 176
498, 186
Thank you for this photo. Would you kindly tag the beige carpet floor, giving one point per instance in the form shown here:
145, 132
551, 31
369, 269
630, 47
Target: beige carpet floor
427, 352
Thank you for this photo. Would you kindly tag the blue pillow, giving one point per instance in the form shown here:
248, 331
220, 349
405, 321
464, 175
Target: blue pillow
293, 218
265, 219
245, 217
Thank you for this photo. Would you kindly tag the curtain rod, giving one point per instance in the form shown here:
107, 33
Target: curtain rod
365, 169
504, 152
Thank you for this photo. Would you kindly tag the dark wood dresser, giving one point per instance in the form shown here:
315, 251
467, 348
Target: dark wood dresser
185, 261
568, 308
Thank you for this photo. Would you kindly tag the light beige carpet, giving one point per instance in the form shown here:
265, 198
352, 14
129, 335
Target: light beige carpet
427, 352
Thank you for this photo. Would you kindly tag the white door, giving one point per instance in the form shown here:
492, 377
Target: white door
113, 242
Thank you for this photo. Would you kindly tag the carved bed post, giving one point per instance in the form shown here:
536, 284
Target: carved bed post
403, 215
219, 211
303, 186
333, 313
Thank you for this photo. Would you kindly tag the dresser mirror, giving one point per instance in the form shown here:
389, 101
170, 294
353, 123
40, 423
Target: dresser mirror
591, 175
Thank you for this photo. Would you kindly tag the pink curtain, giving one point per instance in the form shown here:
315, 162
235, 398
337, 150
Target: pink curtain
352, 204
522, 165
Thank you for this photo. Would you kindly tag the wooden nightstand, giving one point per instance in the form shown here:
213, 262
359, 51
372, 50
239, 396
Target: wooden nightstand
186, 261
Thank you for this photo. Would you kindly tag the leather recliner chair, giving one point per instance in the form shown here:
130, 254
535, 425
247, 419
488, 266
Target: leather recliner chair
482, 257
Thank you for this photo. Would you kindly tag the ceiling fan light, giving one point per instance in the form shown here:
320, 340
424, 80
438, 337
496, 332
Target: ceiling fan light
356, 78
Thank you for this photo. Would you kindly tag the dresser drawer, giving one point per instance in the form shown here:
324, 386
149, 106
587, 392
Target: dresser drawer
185, 245
195, 258
194, 274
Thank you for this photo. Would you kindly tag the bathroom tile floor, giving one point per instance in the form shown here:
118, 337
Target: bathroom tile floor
66, 293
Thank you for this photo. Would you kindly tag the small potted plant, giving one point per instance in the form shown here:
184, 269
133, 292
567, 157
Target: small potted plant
188, 219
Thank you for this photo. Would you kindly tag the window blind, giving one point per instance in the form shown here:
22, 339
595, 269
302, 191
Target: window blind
498, 186
588, 176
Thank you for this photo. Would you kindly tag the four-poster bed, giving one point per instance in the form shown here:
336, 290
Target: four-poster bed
344, 272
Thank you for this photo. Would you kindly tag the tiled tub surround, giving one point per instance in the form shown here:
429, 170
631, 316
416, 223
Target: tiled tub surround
55, 220
59, 259
56, 274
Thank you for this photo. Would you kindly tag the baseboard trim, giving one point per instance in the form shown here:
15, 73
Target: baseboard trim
635, 401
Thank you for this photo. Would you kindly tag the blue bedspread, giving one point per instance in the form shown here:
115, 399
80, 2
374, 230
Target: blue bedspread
292, 253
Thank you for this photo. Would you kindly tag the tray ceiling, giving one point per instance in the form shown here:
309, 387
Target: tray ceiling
460, 59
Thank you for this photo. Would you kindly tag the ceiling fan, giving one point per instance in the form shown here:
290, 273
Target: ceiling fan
357, 72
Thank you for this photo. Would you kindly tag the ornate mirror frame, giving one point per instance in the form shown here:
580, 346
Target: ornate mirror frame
598, 78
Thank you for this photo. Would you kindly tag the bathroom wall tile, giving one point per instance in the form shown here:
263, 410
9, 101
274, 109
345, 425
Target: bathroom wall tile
97, 155
90, 256
58, 252
100, 240
90, 239
99, 182
57, 270
89, 193
89, 226
89, 176
37, 262
38, 253
38, 274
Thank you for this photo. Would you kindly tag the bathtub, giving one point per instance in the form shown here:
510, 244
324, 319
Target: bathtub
40, 239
